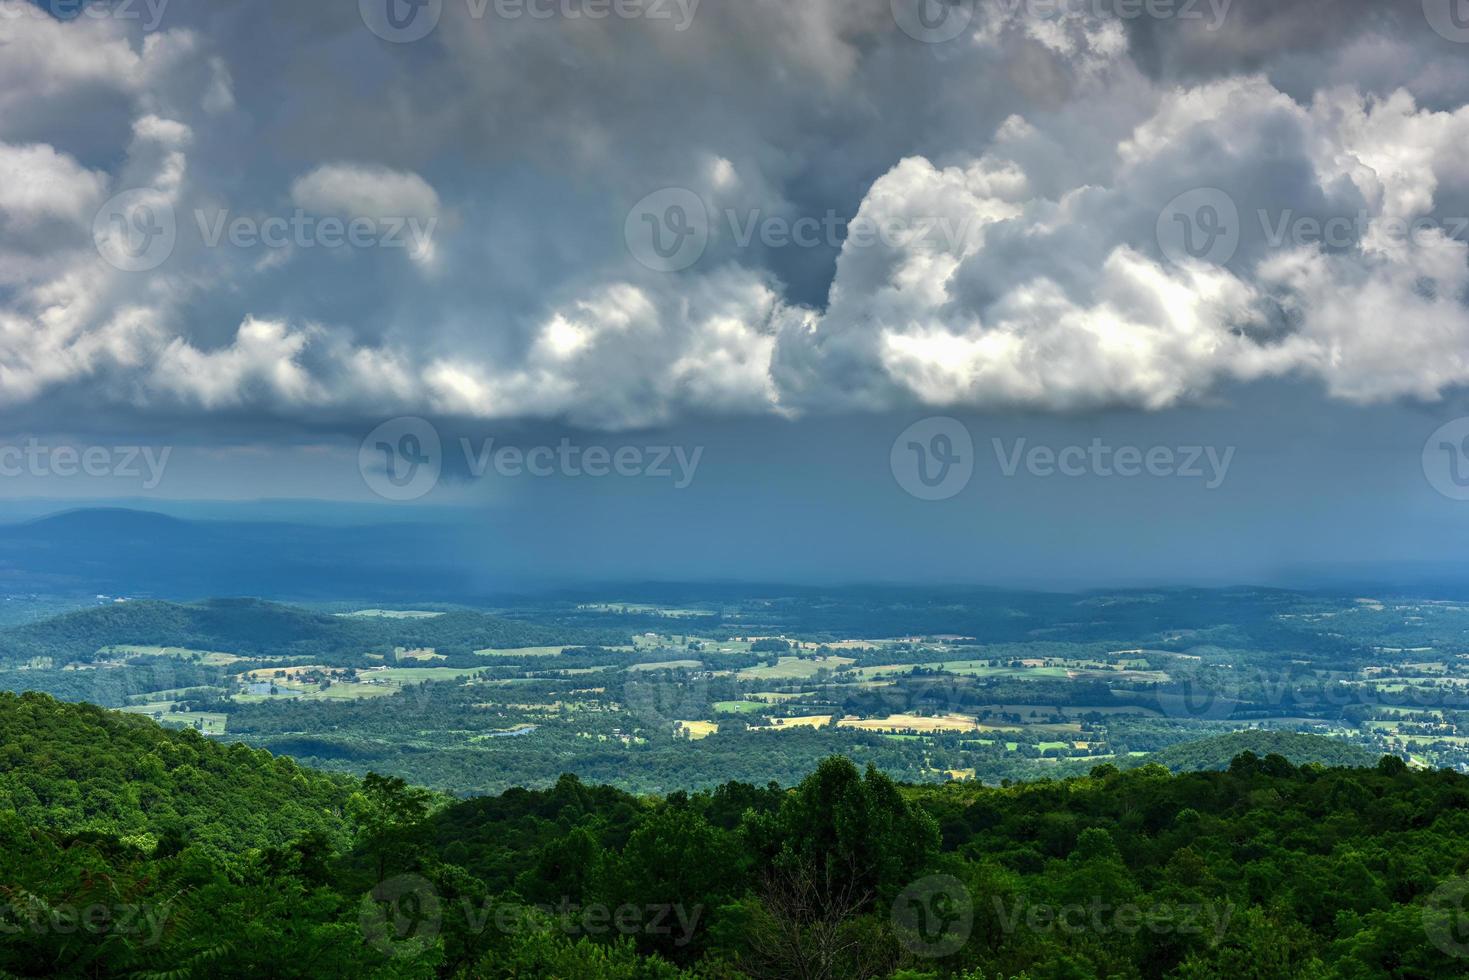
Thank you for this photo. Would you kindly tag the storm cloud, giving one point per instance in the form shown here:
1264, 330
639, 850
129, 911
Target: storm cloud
619, 215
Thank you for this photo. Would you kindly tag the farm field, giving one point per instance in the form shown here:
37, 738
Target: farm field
1054, 688
794, 668
916, 723
208, 722
211, 658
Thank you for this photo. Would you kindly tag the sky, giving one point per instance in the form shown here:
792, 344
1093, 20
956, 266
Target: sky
1000, 291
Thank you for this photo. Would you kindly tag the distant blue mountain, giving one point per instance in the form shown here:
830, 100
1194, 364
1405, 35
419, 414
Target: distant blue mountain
130, 552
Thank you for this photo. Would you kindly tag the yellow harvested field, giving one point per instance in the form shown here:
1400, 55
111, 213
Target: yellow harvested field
698, 729
801, 721
270, 673
422, 654
917, 723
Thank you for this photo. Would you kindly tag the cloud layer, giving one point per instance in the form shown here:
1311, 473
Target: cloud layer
1064, 212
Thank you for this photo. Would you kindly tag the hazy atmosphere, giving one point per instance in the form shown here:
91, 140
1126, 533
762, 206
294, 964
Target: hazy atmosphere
750, 244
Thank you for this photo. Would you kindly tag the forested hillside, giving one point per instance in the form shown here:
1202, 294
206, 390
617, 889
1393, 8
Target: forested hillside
1218, 751
214, 861
253, 627
77, 770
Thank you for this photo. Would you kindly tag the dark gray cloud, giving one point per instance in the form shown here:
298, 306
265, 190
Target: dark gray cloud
1012, 181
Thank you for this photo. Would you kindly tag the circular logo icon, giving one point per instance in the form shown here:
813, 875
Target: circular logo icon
1194, 697
933, 21
1446, 459
659, 698
1446, 917
1449, 18
401, 459
668, 230
1201, 225
934, 916
933, 459
401, 21
401, 916
135, 231
150, 685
